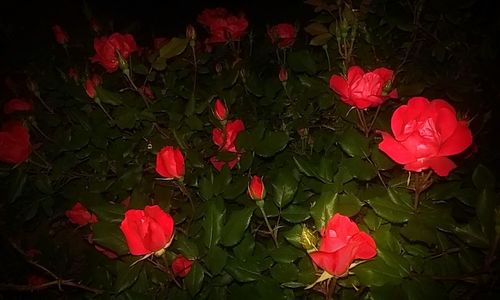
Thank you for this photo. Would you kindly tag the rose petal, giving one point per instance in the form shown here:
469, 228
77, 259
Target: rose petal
460, 140
395, 150
442, 165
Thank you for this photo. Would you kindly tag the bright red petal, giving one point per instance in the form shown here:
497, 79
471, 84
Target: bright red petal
442, 165
339, 85
130, 227
395, 150
460, 140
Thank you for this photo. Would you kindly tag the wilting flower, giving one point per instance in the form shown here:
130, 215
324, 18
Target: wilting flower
111, 49
283, 35
170, 163
364, 90
17, 105
147, 231
80, 215
181, 266
341, 243
256, 189
223, 26
425, 133
15, 146
60, 35
220, 110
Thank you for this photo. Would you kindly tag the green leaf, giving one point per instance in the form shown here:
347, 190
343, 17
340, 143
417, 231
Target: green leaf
354, 143
194, 279
472, 234
110, 236
284, 272
347, 204
173, 48
321, 39
315, 28
125, 117
485, 210
323, 208
216, 259
283, 187
381, 160
294, 235
322, 168
212, 224
302, 61
245, 248
296, 214
243, 271
237, 187
126, 275
16, 184
233, 230
108, 97
272, 143
483, 178
286, 254
186, 246
108, 212
377, 273
395, 206
360, 169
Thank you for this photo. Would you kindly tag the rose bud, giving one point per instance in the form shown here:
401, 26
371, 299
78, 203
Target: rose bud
190, 33
283, 75
91, 84
60, 35
256, 189
220, 110
79, 215
181, 266
170, 163
147, 231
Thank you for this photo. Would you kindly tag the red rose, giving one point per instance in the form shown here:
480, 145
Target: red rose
341, 244
107, 49
73, 74
226, 138
60, 35
425, 133
283, 34
220, 110
181, 266
219, 164
91, 84
364, 90
147, 231
256, 189
79, 215
17, 105
15, 144
170, 163
223, 26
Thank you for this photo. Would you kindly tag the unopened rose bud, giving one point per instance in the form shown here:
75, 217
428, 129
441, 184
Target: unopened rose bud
256, 189
220, 110
190, 33
283, 75
218, 68
123, 63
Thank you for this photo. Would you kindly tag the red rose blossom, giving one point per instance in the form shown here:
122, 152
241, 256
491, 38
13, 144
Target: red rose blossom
170, 163
256, 189
283, 34
107, 49
17, 105
223, 26
364, 90
342, 242
425, 133
15, 146
181, 266
60, 35
147, 231
220, 110
79, 215
225, 138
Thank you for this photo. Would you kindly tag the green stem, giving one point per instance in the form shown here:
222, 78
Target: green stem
195, 63
271, 231
131, 82
325, 48
362, 120
104, 110
374, 118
